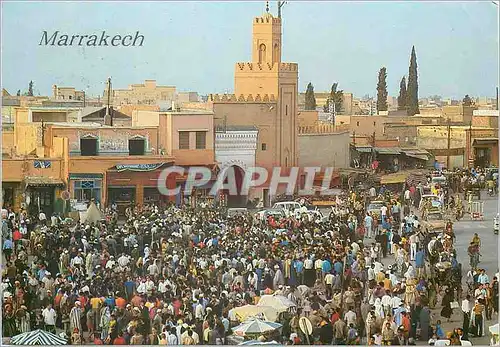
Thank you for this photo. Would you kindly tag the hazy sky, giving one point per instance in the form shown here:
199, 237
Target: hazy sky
194, 45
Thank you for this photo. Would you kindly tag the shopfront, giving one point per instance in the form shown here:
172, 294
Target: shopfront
42, 194
85, 187
136, 184
10, 194
485, 152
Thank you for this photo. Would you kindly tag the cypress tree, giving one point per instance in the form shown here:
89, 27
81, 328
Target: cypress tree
310, 103
30, 89
412, 90
337, 96
382, 90
402, 94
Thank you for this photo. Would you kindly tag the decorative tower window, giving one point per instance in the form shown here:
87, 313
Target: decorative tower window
262, 53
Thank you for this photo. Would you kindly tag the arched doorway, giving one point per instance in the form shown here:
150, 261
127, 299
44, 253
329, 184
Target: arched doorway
237, 200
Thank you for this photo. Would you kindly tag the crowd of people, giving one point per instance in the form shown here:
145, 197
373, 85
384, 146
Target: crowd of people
175, 276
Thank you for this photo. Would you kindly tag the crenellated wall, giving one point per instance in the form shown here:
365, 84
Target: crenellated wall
232, 98
266, 67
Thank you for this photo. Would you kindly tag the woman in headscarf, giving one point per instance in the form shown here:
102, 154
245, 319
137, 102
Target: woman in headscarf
447, 311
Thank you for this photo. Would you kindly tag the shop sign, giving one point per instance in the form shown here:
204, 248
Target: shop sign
138, 167
42, 164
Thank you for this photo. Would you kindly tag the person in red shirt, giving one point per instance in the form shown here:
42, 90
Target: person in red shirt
335, 317
97, 339
120, 340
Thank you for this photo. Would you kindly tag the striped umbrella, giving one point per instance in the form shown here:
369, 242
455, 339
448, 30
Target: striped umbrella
255, 326
38, 337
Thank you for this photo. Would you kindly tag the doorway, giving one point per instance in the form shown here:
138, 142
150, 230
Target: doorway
42, 200
238, 200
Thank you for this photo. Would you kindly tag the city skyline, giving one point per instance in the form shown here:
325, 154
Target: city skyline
191, 46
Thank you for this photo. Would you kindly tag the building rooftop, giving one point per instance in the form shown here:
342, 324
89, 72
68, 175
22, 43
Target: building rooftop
222, 128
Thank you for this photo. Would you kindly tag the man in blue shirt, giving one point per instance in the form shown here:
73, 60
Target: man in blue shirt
419, 262
8, 247
337, 267
326, 267
299, 269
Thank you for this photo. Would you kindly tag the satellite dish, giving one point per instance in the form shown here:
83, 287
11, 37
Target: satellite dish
28, 200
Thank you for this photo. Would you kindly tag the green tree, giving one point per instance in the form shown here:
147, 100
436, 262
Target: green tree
402, 94
310, 99
467, 101
337, 96
412, 89
18, 92
382, 90
30, 89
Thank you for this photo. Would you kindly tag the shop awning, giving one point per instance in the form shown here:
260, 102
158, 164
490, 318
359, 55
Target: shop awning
388, 150
417, 156
364, 149
84, 176
41, 181
485, 141
393, 178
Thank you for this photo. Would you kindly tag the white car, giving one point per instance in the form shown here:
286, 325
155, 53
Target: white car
287, 205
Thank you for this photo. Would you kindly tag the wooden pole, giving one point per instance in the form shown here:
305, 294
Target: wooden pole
449, 144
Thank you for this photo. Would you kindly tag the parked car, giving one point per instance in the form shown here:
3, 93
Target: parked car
375, 208
263, 214
434, 199
434, 222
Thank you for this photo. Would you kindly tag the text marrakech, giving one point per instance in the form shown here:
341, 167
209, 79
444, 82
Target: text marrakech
57, 39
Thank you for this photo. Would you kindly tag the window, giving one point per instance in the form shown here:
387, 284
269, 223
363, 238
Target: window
70, 97
373, 123
87, 190
88, 147
357, 124
201, 139
286, 110
136, 147
264, 146
262, 53
183, 139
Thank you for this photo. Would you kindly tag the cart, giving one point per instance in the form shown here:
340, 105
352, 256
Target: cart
476, 211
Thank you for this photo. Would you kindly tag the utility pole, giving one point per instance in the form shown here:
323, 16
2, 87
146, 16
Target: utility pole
108, 113
497, 98
280, 5
449, 143
84, 98
469, 145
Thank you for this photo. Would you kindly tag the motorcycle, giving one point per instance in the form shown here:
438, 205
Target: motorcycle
491, 191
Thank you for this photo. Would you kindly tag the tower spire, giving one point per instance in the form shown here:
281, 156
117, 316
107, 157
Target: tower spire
267, 6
